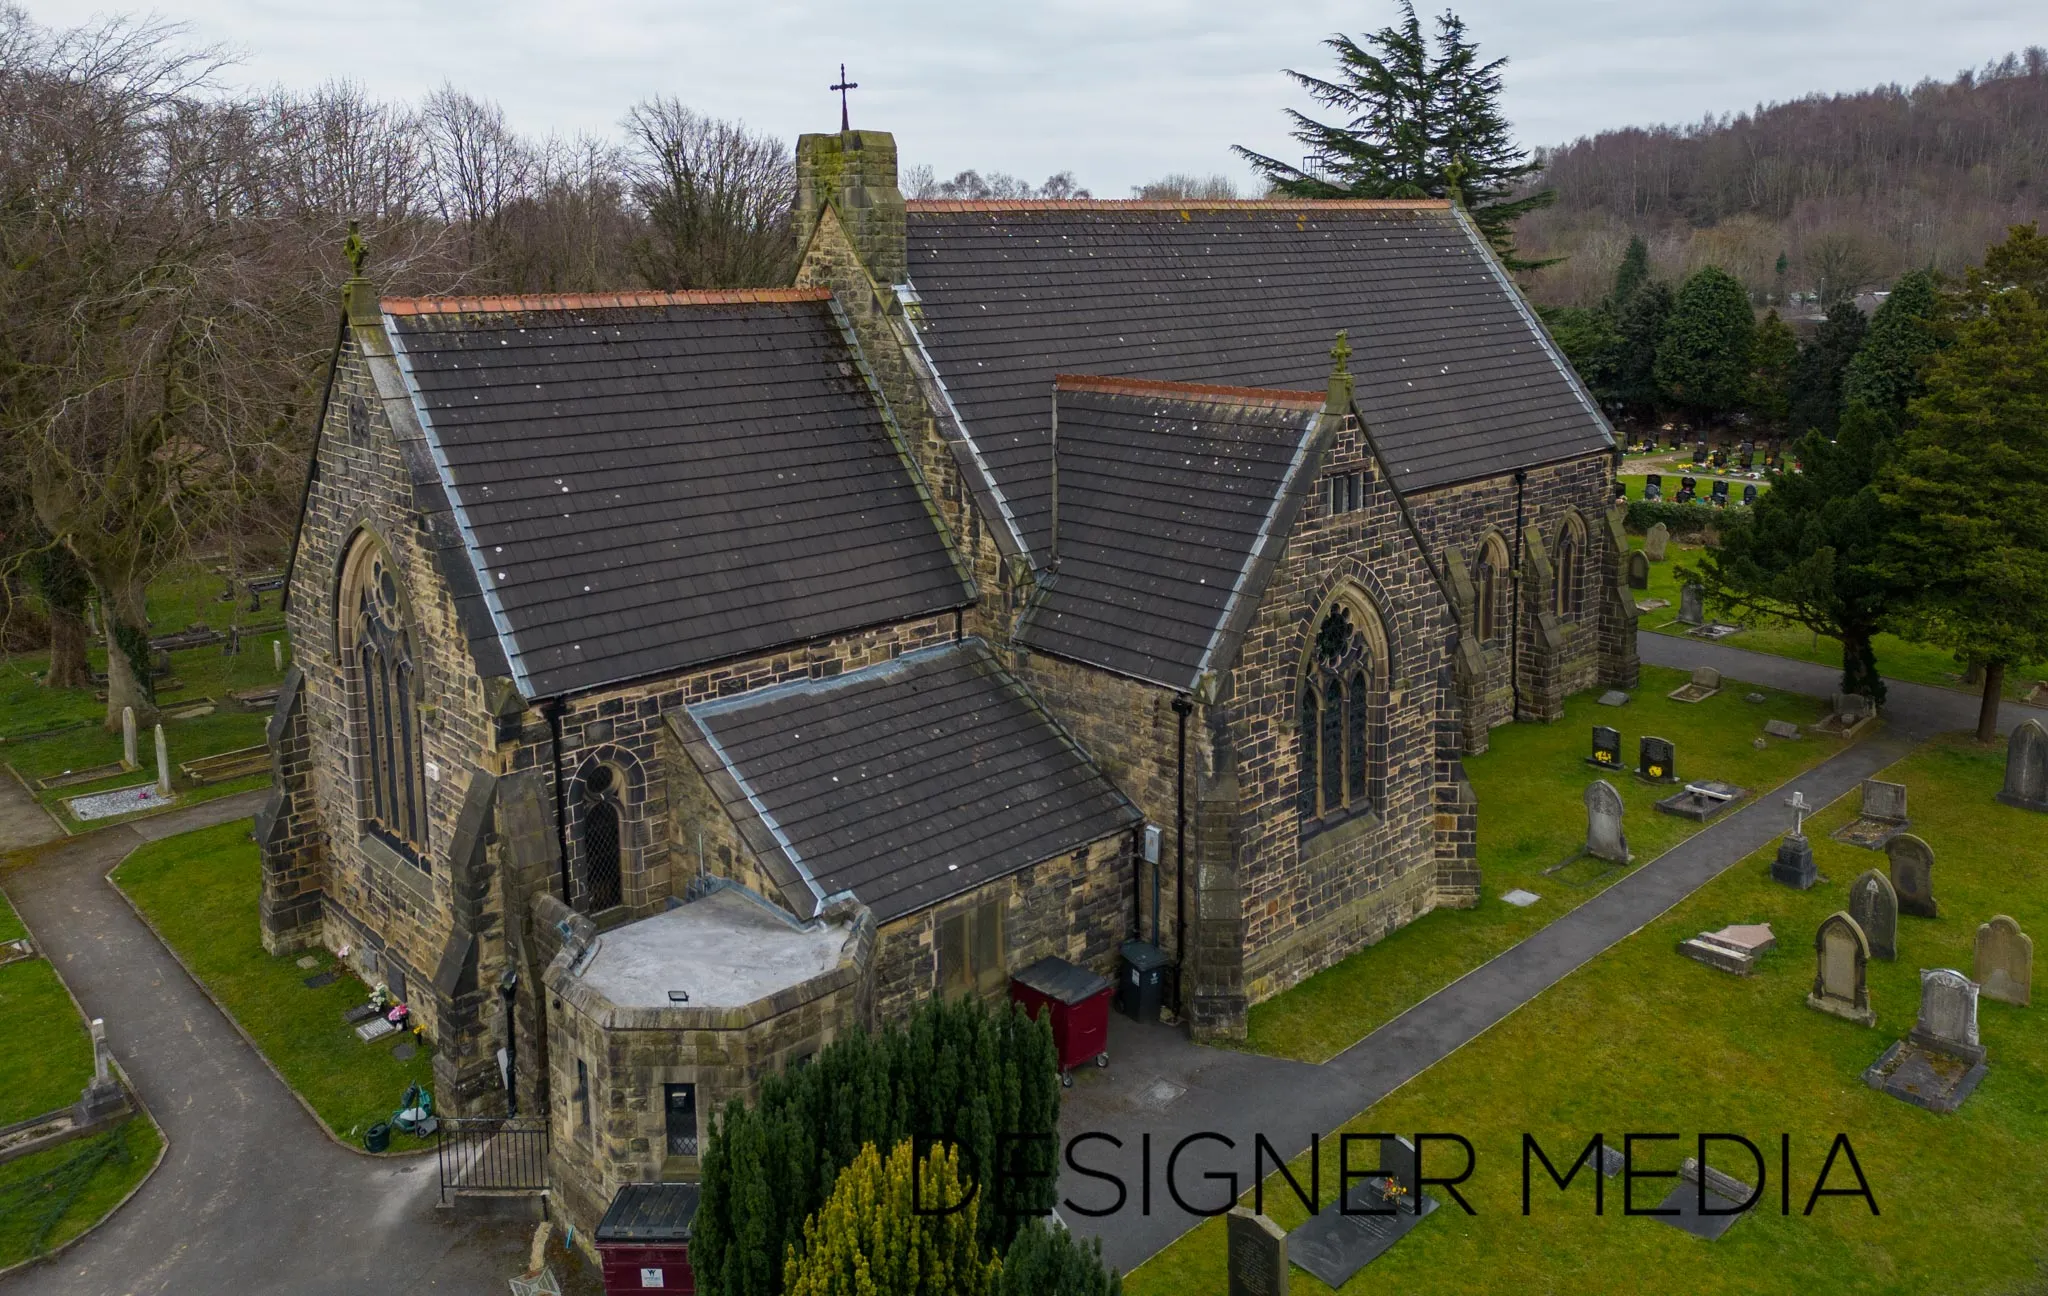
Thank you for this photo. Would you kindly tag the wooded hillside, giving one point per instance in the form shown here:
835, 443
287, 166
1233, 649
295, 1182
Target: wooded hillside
1824, 194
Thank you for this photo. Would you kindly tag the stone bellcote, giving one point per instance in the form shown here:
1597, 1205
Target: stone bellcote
854, 171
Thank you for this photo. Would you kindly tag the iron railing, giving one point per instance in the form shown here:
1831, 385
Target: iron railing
492, 1154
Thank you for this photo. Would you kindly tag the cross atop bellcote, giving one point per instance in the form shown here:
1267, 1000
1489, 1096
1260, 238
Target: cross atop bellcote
843, 86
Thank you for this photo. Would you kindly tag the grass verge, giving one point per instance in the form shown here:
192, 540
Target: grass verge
50, 1197
1643, 1040
199, 890
1530, 784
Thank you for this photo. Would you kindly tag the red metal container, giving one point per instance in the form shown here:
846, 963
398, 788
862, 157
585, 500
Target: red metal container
1078, 1001
644, 1240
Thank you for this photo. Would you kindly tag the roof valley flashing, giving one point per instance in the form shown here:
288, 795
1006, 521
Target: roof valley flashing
648, 483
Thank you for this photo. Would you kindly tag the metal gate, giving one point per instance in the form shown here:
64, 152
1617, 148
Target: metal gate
492, 1154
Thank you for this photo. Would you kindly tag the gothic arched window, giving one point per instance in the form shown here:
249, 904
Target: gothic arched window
1493, 581
1342, 711
383, 687
603, 829
1567, 596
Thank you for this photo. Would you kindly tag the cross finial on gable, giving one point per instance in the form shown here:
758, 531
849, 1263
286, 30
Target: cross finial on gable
355, 249
1454, 180
1340, 374
843, 86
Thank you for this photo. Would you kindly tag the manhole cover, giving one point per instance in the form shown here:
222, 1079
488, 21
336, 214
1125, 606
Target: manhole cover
1159, 1094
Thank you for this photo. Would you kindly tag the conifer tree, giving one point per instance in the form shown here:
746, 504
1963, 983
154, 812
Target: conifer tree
874, 1236
1772, 357
1639, 328
1420, 119
1968, 491
1886, 371
1703, 359
1049, 1261
1816, 389
1631, 274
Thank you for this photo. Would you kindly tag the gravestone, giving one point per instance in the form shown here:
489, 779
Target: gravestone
1724, 1197
1655, 541
1705, 682
131, 755
1655, 481
1699, 452
2026, 767
1334, 1245
1875, 907
1841, 960
1620, 489
1606, 747
1732, 949
1257, 1254
1748, 494
163, 763
1912, 862
1604, 836
1657, 759
1653, 493
1794, 865
1882, 800
2005, 962
1948, 1015
1847, 713
1720, 493
277, 655
1692, 605
1638, 569
1613, 697
103, 1099
1781, 729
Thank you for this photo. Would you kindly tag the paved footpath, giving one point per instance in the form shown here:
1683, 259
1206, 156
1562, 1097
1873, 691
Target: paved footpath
1163, 1086
252, 1196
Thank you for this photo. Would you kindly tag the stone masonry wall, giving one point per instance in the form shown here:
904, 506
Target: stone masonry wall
1075, 906
1306, 902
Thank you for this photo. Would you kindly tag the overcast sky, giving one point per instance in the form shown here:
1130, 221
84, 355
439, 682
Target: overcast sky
1117, 91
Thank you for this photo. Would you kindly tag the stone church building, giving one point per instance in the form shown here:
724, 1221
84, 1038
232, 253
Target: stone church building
684, 678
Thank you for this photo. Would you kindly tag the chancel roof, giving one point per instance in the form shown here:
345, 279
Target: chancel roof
648, 482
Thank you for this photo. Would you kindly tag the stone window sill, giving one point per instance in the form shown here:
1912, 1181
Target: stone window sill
680, 1169
1318, 839
387, 859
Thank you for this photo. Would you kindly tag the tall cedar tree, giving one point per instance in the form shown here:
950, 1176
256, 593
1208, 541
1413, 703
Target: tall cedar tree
1770, 369
875, 1235
957, 1074
1888, 370
1969, 490
1421, 116
1703, 359
1816, 391
1049, 1261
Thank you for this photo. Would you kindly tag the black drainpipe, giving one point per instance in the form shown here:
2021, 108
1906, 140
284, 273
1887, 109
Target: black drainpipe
553, 711
1515, 641
1182, 708
508, 989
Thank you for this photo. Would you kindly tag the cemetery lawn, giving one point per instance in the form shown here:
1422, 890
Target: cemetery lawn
48, 731
52, 1196
1531, 785
48, 1057
1643, 1040
1900, 659
199, 890
46, 1064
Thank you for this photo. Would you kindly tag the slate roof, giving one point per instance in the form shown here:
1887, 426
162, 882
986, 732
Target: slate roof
1455, 377
1170, 498
648, 482
904, 783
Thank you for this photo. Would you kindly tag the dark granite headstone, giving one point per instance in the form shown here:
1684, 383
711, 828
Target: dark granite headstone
1606, 747
321, 980
1657, 760
1720, 493
1654, 480
1257, 1255
1748, 494
1794, 865
1335, 1245
1704, 1186
359, 1013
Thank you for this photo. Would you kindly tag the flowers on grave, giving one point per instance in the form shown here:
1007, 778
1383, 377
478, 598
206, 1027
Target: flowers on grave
1604, 757
1656, 771
1392, 1190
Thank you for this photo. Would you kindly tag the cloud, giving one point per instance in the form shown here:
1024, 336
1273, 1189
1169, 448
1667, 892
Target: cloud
1117, 91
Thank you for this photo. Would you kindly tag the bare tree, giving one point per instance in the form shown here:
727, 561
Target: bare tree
1179, 184
480, 168
716, 197
973, 186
